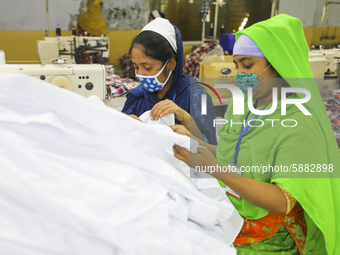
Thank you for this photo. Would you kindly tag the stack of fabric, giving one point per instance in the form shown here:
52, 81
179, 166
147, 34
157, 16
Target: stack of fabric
119, 86
333, 110
78, 177
192, 60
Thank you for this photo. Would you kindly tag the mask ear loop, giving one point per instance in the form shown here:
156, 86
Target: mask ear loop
268, 77
264, 71
156, 76
160, 71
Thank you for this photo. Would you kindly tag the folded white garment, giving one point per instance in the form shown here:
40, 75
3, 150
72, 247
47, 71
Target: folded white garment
78, 177
168, 120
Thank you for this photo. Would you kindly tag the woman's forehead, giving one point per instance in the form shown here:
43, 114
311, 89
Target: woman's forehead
241, 58
138, 51
138, 56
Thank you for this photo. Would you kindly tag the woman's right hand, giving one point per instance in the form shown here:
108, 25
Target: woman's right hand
167, 106
202, 158
180, 129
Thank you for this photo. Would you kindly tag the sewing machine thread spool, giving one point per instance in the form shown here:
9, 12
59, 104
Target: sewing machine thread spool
211, 31
2, 58
222, 30
57, 31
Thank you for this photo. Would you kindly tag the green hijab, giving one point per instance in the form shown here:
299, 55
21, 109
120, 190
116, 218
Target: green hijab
310, 143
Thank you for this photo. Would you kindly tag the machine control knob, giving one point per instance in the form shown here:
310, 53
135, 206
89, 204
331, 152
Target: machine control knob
62, 82
42, 77
89, 86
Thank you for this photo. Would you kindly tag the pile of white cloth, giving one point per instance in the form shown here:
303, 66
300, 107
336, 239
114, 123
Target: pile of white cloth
78, 177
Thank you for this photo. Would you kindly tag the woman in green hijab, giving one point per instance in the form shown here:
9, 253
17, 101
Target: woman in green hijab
288, 190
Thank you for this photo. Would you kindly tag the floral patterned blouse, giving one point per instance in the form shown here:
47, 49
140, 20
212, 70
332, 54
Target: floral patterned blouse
261, 229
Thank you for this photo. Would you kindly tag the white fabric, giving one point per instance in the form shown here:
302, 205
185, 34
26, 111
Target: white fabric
164, 28
78, 177
2, 58
168, 120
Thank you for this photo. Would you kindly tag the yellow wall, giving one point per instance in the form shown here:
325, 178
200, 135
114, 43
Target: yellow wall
313, 35
186, 50
308, 34
21, 46
120, 42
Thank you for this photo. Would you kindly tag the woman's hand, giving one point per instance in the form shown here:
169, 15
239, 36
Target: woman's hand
180, 129
203, 157
135, 117
167, 106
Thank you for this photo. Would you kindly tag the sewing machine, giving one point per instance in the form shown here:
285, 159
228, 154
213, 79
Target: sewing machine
332, 60
73, 48
83, 79
325, 67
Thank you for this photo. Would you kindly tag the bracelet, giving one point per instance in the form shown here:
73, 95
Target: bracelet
291, 201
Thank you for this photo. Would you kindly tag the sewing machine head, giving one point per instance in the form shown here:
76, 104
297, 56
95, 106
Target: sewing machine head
73, 48
86, 80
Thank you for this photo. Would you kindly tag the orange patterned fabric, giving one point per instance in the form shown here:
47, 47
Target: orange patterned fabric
256, 230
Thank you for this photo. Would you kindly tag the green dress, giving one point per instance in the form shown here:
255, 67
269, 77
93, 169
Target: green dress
307, 148
281, 243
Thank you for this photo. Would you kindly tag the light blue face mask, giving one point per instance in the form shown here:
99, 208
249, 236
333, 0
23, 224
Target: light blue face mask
151, 83
245, 80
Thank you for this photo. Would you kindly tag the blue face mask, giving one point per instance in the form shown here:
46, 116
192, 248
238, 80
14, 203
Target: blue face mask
151, 83
245, 80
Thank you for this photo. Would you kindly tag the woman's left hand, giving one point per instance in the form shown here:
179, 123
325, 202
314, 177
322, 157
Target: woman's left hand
203, 157
135, 117
167, 106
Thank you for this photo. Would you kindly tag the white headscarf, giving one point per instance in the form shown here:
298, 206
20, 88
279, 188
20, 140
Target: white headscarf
164, 28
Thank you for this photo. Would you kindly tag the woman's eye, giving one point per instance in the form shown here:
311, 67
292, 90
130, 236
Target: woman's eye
148, 69
248, 67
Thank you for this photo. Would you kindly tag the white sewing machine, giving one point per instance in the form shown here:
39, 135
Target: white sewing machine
83, 79
72, 48
325, 67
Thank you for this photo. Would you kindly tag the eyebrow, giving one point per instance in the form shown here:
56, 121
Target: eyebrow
242, 59
144, 63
